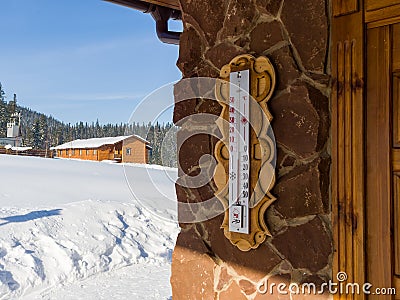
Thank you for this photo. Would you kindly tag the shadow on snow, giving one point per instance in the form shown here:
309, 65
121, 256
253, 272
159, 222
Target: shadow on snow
33, 215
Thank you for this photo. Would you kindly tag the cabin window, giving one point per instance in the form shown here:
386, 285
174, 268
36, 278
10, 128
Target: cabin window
87, 152
80, 152
73, 151
66, 152
94, 151
60, 152
128, 151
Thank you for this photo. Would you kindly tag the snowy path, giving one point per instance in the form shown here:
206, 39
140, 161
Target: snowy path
77, 229
123, 283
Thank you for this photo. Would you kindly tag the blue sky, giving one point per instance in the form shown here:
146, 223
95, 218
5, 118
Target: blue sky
82, 60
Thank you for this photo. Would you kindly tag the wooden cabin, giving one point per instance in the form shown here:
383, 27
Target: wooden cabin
129, 149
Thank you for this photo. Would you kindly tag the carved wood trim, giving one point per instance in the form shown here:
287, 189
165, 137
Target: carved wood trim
262, 149
348, 148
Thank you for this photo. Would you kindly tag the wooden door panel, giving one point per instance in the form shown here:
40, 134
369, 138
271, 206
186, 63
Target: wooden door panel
383, 16
396, 47
396, 110
342, 7
395, 151
378, 206
396, 196
396, 160
377, 4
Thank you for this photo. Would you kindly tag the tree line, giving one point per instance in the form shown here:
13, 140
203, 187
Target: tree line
42, 132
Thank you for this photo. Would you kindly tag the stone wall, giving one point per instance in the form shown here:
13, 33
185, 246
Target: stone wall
294, 34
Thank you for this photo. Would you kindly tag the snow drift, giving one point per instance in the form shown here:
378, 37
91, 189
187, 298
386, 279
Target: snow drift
63, 221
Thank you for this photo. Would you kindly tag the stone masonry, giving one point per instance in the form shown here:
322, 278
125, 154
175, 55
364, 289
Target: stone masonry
294, 34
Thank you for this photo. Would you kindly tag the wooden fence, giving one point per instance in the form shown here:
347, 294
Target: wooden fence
32, 152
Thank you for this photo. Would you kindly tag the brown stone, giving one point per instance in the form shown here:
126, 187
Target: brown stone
185, 102
239, 17
284, 159
311, 281
186, 195
301, 120
264, 36
281, 154
193, 87
191, 254
190, 149
210, 106
304, 190
307, 24
269, 289
206, 191
183, 109
321, 105
243, 42
306, 246
232, 293
270, 7
190, 52
224, 279
223, 53
206, 70
288, 161
325, 296
320, 78
275, 222
311, 287
316, 293
255, 266
247, 287
207, 16
193, 195
285, 67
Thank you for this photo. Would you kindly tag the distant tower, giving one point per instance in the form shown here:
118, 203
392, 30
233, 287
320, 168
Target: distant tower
13, 127
15, 121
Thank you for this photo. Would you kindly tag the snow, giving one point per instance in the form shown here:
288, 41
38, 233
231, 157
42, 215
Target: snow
8, 147
117, 284
79, 229
95, 142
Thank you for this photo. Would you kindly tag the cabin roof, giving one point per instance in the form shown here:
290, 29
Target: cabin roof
96, 142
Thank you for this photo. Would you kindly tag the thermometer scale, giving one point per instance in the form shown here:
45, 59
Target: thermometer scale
239, 158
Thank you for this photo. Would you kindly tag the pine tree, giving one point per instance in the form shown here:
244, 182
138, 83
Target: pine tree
43, 131
36, 141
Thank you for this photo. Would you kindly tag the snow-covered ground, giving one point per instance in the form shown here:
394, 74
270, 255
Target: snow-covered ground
85, 230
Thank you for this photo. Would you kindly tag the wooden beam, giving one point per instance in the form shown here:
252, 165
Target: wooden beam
348, 147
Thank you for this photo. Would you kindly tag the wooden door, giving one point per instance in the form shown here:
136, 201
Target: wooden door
396, 147
383, 158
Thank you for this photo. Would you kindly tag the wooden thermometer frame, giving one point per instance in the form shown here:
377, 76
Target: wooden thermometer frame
262, 150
